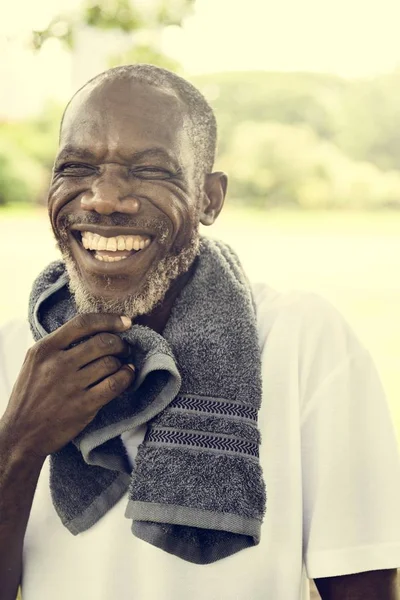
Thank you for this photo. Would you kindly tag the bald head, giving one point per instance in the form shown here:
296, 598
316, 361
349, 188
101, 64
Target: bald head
190, 104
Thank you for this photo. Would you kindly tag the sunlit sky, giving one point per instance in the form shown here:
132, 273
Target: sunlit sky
351, 38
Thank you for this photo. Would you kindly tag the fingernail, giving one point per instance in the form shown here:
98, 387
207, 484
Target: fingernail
131, 366
126, 321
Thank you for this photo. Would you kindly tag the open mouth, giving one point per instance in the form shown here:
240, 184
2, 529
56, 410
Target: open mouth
112, 249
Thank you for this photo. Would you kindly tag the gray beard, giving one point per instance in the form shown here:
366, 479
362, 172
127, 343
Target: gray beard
152, 292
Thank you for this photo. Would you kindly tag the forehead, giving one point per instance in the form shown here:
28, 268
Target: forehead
125, 116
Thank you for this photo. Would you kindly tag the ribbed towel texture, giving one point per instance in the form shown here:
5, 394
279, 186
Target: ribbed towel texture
196, 489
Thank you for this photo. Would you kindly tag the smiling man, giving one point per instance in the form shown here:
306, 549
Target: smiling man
145, 151
170, 431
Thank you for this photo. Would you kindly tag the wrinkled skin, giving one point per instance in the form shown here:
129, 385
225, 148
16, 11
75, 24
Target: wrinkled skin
126, 162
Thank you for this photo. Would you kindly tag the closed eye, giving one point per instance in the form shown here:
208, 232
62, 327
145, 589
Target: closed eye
151, 173
75, 169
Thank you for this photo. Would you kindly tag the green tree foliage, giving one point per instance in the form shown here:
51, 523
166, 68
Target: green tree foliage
290, 98
274, 164
119, 15
370, 121
308, 140
22, 179
27, 151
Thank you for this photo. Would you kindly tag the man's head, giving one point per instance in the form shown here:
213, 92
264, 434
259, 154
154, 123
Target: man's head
132, 181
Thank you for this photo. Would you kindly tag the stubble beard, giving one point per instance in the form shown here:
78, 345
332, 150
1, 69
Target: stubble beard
152, 291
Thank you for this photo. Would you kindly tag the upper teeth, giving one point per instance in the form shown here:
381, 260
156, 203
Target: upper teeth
94, 241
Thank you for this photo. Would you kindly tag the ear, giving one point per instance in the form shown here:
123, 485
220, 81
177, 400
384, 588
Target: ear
215, 185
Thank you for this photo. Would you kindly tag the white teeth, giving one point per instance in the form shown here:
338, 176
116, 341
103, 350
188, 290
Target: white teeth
102, 244
112, 244
109, 258
94, 241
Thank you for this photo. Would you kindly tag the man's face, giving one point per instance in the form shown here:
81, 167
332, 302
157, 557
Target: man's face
123, 203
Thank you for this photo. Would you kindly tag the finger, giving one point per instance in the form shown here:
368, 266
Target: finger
101, 344
86, 325
112, 386
98, 370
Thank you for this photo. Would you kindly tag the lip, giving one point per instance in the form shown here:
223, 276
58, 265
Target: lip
105, 231
138, 261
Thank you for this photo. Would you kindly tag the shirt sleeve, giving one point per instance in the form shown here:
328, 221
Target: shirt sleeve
351, 473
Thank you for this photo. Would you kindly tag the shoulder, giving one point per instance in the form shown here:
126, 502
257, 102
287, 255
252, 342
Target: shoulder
308, 317
307, 339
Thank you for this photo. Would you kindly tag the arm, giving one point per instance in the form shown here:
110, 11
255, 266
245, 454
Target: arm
42, 417
371, 585
19, 474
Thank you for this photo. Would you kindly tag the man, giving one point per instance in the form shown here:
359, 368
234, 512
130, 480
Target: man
132, 181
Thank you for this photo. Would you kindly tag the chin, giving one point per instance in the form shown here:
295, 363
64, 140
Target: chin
131, 302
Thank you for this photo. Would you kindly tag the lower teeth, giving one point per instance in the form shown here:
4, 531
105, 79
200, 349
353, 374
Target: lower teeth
109, 258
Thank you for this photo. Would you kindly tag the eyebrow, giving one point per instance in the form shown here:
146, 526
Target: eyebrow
86, 154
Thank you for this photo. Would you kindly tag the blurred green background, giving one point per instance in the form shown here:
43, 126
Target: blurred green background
312, 159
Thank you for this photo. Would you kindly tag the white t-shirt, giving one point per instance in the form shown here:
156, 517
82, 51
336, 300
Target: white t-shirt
330, 462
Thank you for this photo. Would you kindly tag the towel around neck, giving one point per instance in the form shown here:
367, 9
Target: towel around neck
196, 489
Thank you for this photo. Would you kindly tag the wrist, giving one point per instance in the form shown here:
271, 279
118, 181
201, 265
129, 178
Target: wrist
13, 449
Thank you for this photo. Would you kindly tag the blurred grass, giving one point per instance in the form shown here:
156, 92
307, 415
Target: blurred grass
351, 258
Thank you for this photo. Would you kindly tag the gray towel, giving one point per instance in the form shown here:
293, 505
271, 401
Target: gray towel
196, 489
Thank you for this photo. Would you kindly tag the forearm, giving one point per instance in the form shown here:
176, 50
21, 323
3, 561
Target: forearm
19, 474
371, 585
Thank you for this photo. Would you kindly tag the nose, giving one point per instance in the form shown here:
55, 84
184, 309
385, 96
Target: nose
108, 194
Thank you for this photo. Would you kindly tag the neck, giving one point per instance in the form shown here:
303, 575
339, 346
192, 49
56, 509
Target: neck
158, 318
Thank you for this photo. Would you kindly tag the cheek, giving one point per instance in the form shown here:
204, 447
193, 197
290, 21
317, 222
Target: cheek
61, 194
189, 226
180, 207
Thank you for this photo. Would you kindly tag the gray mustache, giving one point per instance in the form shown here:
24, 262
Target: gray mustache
160, 225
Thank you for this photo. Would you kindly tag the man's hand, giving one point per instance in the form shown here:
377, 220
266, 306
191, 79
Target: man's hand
60, 389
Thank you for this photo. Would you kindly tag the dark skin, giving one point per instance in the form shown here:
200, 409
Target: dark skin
124, 150
371, 585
